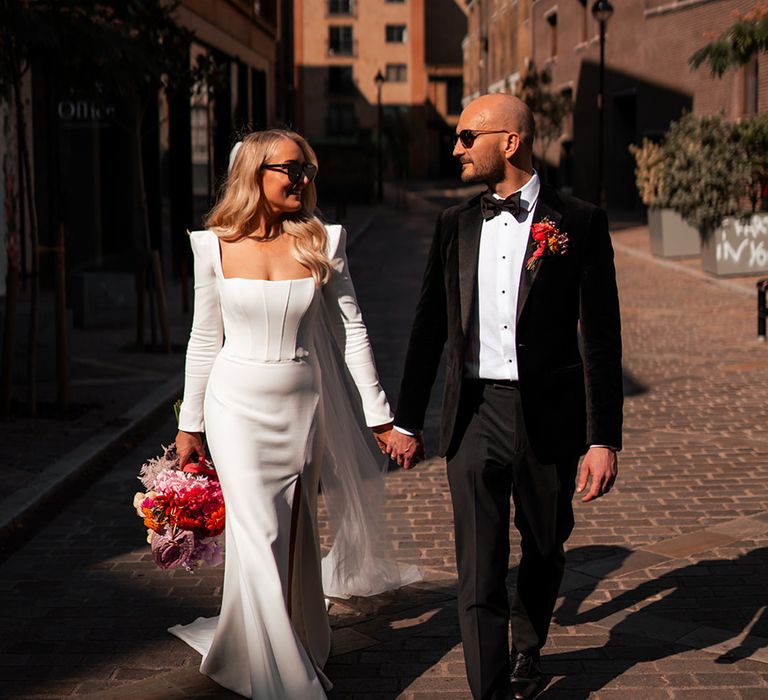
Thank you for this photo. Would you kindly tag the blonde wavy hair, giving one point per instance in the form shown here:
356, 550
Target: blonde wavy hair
241, 209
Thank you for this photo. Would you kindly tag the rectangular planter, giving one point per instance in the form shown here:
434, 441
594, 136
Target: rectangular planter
671, 235
738, 247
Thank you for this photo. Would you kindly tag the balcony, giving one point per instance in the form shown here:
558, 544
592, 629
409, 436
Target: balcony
340, 8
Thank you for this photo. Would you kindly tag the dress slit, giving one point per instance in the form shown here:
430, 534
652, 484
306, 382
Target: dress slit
292, 542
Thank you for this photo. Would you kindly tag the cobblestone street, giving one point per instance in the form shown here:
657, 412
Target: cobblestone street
666, 588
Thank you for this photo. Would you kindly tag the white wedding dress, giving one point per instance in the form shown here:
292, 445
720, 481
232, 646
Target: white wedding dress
263, 382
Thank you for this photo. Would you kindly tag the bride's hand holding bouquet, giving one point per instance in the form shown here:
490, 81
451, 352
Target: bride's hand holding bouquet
188, 444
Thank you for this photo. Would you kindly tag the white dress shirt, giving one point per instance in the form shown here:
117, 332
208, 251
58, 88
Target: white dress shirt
492, 347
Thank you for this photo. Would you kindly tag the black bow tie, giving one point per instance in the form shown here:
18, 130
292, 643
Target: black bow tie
490, 206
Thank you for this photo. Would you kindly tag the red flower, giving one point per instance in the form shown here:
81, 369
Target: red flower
542, 230
548, 241
215, 522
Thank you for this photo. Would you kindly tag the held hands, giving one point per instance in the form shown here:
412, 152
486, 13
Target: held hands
381, 433
601, 464
187, 444
406, 450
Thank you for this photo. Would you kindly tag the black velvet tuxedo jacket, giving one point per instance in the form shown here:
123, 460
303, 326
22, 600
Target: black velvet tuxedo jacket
570, 399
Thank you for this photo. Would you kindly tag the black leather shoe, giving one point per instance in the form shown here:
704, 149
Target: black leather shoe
527, 679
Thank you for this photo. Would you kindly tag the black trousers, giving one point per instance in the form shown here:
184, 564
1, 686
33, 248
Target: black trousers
492, 461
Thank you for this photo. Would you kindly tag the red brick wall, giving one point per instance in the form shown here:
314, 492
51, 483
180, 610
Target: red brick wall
507, 25
648, 80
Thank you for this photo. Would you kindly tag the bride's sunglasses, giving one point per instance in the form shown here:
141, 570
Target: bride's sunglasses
294, 170
468, 136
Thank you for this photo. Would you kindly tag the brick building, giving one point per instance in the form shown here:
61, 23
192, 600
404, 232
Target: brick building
82, 155
497, 47
648, 81
340, 47
243, 37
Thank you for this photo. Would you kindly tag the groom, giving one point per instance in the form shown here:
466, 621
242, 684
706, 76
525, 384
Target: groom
512, 276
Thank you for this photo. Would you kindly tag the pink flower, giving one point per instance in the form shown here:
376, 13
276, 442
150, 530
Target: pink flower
153, 467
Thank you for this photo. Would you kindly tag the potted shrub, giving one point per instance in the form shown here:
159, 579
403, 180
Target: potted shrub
753, 137
710, 175
671, 236
739, 246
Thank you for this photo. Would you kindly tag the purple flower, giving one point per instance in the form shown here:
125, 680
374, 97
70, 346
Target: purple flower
208, 551
170, 551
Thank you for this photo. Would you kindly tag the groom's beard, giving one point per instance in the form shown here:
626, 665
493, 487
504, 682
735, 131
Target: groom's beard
488, 170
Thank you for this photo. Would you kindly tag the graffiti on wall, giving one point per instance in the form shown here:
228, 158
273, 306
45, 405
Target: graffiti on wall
744, 242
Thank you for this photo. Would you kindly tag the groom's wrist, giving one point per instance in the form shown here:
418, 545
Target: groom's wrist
607, 447
407, 431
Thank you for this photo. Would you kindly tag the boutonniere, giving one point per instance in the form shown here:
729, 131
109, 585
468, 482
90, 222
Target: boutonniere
547, 240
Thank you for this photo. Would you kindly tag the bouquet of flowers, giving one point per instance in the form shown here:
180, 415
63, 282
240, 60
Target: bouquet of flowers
183, 511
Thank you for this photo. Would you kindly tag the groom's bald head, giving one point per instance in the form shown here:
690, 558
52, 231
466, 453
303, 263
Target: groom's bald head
500, 111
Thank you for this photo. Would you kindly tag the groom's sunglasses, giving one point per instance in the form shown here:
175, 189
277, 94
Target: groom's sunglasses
468, 136
294, 170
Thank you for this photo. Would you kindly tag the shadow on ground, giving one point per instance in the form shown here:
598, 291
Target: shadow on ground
711, 602
408, 632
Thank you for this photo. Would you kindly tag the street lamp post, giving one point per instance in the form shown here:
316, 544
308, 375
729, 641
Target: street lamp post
379, 79
602, 11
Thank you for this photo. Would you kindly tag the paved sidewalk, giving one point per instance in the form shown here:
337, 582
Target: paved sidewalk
665, 593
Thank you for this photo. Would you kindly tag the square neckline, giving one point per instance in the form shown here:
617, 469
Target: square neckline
249, 279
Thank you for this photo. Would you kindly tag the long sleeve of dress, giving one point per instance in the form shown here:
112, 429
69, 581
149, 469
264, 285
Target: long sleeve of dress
351, 334
207, 335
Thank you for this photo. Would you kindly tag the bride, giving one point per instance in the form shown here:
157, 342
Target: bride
280, 376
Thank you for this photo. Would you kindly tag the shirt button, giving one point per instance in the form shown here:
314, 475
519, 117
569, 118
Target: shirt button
503, 257
509, 360
505, 327
503, 291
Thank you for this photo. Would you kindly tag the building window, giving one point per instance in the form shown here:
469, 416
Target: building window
397, 72
341, 80
552, 22
341, 119
340, 42
567, 94
266, 9
454, 88
396, 33
583, 21
751, 83
340, 7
